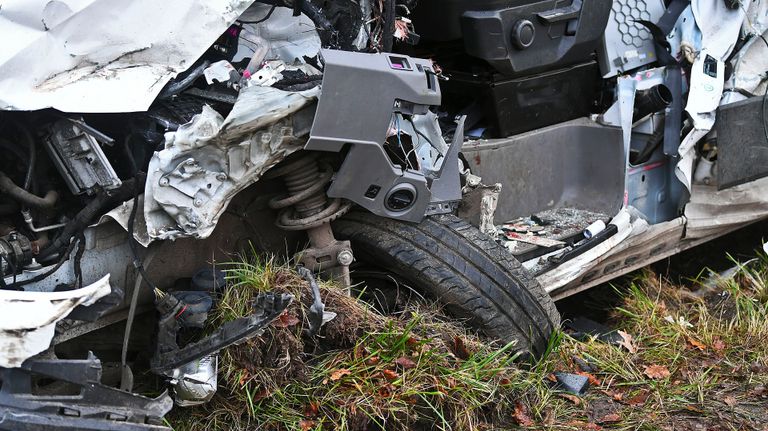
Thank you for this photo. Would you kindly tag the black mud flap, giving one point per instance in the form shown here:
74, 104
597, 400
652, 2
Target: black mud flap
742, 142
94, 407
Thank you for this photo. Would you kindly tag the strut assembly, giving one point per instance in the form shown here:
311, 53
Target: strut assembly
306, 207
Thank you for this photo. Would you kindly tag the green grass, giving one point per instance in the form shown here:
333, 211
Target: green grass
422, 370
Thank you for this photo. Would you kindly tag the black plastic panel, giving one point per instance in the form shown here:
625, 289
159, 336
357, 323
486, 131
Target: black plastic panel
512, 106
742, 145
518, 36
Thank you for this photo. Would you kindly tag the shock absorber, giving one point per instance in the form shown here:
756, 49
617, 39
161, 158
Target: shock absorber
306, 207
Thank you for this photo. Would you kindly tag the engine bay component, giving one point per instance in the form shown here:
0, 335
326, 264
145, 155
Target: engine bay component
79, 158
15, 253
95, 406
408, 88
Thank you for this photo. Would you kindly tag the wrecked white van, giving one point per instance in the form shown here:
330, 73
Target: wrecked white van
491, 155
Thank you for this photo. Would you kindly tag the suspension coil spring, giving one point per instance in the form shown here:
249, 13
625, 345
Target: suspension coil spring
306, 205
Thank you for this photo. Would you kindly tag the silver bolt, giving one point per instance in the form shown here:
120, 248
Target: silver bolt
164, 181
345, 257
197, 202
221, 176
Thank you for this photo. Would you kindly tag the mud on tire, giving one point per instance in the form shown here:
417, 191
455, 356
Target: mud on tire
451, 261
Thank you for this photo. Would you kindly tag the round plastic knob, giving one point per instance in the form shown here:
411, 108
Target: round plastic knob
523, 34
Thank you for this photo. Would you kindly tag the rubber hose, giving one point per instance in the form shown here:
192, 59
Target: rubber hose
32, 157
8, 187
175, 87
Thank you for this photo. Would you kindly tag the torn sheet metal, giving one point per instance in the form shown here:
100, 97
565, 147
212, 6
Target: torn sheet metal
29, 318
710, 210
102, 55
207, 161
562, 275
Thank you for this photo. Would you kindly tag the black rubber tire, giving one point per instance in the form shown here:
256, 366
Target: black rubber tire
451, 261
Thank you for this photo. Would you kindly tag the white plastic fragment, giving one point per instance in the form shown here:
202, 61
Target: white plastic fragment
28, 319
594, 229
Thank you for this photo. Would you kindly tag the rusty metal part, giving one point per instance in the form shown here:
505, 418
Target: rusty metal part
306, 207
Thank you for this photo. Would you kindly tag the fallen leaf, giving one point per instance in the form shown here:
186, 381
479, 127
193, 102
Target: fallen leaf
522, 416
337, 374
244, 377
373, 360
696, 343
609, 418
617, 396
505, 381
406, 363
552, 378
311, 409
656, 372
693, 409
459, 348
390, 375
306, 425
572, 398
718, 345
385, 391
627, 342
286, 320
639, 399
594, 381
730, 401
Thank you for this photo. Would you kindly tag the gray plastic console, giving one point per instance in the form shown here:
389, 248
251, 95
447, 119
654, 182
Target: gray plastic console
360, 93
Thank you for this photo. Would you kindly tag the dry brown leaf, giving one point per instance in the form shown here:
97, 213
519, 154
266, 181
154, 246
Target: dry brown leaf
639, 399
718, 345
406, 363
594, 381
730, 401
616, 395
373, 360
385, 391
390, 375
552, 378
656, 372
311, 409
572, 398
627, 342
693, 409
609, 418
337, 374
286, 320
460, 348
306, 425
697, 344
522, 416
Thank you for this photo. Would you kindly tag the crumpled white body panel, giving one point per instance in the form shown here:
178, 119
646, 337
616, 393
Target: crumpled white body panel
102, 55
28, 319
207, 161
